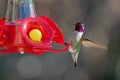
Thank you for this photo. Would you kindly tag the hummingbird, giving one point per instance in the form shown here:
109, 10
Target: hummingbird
76, 40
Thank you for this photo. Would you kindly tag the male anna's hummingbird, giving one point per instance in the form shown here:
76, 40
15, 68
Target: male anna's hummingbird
76, 39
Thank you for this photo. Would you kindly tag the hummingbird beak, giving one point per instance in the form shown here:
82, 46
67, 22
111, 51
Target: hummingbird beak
91, 43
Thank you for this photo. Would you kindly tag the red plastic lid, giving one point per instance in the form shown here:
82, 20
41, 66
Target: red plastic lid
58, 35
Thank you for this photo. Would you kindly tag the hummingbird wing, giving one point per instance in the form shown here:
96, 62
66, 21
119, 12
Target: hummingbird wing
91, 43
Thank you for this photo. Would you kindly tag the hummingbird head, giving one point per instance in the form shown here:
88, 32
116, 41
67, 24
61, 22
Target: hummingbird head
79, 27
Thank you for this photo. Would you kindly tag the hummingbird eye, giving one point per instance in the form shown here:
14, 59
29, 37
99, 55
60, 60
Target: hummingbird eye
79, 27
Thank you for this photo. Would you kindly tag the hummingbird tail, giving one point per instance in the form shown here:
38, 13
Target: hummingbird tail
75, 60
75, 65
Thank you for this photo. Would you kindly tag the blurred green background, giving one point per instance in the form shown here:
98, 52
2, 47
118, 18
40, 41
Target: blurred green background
102, 23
